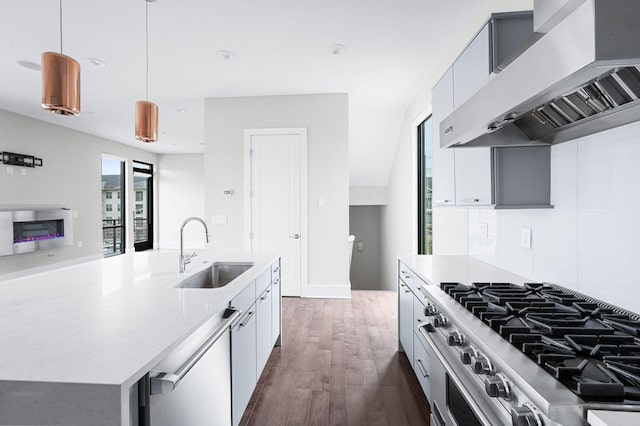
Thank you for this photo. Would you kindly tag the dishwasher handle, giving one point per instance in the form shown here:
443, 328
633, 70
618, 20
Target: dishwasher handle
162, 382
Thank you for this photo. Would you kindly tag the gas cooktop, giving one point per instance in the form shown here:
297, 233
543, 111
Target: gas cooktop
592, 348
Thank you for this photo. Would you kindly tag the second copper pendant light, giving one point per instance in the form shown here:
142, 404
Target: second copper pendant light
146, 112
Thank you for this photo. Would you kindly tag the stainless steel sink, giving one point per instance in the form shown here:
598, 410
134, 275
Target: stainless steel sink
217, 275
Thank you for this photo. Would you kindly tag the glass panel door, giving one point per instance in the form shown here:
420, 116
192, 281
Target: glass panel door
143, 206
425, 185
113, 226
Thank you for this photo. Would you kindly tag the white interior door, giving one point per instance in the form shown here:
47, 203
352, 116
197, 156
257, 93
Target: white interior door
277, 185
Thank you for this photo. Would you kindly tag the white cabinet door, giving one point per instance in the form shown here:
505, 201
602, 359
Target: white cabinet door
243, 363
421, 367
405, 314
276, 311
473, 177
264, 331
472, 68
443, 159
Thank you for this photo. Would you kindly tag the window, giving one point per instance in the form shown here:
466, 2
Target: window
113, 226
143, 217
425, 185
118, 195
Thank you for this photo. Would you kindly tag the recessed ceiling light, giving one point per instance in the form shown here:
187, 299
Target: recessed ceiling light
30, 65
336, 49
91, 113
180, 110
97, 62
226, 55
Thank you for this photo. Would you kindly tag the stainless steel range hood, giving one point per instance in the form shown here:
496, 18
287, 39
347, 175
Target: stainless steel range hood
580, 78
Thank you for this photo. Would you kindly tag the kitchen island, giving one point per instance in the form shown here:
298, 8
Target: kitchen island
76, 340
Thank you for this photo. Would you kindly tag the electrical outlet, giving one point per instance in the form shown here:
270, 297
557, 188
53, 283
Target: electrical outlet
9, 170
23, 172
79, 244
322, 203
525, 238
484, 230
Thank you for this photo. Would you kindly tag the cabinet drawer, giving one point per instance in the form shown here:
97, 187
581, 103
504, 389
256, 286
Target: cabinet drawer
263, 281
246, 298
422, 368
275, 270
406, 275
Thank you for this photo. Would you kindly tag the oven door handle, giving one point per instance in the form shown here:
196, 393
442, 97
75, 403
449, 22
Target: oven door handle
474, 406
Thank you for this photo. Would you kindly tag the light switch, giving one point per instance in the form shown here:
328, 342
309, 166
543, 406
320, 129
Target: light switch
9, 170
360, 245
322, 202
219, 220
525, 238
23, 172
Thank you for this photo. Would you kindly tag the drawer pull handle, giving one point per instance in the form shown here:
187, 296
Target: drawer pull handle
422, 369
266, 294
246, 321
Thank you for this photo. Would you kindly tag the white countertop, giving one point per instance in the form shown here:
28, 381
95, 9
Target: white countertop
106, 321
462, 269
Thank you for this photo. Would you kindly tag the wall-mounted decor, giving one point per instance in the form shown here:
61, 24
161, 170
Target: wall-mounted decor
23, 160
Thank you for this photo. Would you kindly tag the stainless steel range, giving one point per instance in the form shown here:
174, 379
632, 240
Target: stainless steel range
533, 355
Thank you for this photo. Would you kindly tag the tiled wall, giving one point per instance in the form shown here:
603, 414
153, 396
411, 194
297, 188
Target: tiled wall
590, 240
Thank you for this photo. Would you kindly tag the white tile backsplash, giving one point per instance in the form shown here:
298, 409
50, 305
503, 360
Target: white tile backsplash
590, 240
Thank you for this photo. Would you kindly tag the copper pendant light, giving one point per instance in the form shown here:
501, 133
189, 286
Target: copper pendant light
146, 112
60, 81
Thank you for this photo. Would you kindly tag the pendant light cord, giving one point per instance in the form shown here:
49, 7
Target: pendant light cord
146, 47
61, 27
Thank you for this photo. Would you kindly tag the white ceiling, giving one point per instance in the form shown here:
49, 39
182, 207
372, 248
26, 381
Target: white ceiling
393, 47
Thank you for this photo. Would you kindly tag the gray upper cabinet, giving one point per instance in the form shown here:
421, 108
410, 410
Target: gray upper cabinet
444, 192
472, 68
499, 41
516, 177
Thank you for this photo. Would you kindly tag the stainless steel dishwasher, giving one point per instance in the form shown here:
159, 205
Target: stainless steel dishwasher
192, 386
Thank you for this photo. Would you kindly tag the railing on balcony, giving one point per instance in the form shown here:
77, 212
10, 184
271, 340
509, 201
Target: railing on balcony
112, 231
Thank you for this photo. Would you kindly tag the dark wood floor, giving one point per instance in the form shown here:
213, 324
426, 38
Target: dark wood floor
338, 365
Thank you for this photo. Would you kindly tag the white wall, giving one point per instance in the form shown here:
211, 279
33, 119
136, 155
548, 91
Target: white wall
327, 122
364, 224
181, 182
367, 195
589, 240
70, 176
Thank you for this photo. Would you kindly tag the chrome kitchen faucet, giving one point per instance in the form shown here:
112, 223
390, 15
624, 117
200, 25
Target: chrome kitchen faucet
184, 260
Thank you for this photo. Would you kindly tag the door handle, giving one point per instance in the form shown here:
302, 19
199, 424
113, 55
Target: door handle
295, 236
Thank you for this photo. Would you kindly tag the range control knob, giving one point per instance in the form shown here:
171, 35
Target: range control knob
440, 321
482, 365
525, 415
456, 338
497, 386
467, 354
430, 310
